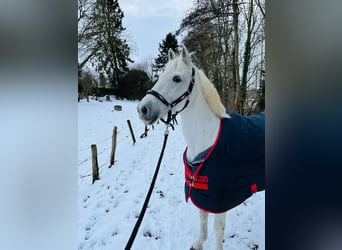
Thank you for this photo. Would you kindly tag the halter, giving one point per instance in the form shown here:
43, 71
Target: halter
172, 117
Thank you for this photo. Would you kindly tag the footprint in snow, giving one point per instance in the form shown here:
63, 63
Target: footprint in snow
161, 194
86, 198
150, 235
88, 227
253, 246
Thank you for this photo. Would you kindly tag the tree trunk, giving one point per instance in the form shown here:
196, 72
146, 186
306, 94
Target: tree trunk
247, 56
236, 54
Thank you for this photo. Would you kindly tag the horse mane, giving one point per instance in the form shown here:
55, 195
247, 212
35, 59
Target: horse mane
211, 96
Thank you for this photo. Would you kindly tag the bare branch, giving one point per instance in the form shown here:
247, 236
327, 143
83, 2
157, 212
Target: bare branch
262, 9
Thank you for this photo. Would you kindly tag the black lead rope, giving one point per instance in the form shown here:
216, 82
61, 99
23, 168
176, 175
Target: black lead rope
143, 210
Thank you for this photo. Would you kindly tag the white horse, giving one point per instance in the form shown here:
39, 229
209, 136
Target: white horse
184, 89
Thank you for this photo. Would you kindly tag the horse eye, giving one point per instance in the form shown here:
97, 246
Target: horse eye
176, 79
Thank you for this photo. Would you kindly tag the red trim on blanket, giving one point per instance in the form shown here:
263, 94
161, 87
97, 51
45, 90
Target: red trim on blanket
211, 150
197, 185
208, 211
188, 171
254, 188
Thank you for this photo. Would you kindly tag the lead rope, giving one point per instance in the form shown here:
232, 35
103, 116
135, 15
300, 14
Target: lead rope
143, 210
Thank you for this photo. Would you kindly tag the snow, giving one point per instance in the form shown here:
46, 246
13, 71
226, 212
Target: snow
108, 209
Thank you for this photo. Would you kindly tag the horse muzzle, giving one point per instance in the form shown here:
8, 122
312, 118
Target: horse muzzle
148, 112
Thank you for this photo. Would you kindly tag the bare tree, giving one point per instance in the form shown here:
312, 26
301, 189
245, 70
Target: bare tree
227, 37
242, 94
236, 68
147, 66
209, 32
261, 7
86, 48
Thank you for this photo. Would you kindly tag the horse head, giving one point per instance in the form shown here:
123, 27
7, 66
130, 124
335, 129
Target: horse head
171, 92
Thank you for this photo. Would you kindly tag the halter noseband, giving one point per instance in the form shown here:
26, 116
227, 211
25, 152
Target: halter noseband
170, 116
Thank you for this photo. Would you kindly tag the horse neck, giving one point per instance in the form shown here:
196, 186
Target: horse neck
199, 125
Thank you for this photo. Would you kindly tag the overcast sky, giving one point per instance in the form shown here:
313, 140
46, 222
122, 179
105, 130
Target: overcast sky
148, 22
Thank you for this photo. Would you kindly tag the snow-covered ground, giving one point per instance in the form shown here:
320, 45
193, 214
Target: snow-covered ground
108, 209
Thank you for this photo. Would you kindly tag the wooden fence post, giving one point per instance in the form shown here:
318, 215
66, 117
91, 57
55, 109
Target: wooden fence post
117, 107
95, 163
112, 155
130, 128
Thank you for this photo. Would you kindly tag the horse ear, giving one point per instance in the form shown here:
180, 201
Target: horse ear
171, 54
185, 55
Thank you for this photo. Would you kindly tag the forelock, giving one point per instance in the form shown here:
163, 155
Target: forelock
175, 64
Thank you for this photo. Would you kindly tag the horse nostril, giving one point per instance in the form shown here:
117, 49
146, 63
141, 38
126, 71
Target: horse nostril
144, 110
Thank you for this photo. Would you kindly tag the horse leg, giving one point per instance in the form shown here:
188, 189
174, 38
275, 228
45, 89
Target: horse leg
219, 225
198, 245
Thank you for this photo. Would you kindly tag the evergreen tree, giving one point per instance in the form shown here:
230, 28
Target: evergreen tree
134, 85
112, 51
170, 42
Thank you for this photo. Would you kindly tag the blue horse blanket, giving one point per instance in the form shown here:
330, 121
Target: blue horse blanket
232, 169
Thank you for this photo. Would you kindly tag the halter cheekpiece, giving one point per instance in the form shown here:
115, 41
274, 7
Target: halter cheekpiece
172, 117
